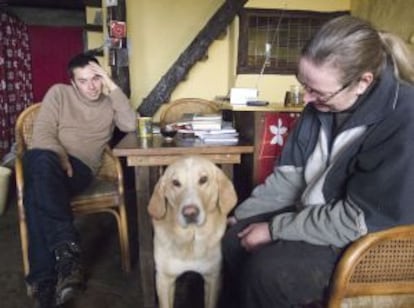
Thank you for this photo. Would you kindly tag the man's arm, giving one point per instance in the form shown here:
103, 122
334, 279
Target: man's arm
125, 116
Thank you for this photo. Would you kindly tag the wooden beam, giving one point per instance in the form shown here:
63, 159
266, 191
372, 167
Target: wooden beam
120, 73
193, 53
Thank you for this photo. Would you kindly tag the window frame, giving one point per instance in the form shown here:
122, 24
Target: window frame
243, 66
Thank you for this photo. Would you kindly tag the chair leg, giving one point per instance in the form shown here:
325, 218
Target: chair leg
24, 244
124, 240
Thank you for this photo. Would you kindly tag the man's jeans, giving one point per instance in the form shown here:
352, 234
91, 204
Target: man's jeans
47, 193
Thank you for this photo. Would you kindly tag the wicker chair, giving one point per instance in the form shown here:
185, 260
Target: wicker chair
106, 193
380, 264
174, 110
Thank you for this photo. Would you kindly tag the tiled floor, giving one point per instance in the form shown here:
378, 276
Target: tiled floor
107, 285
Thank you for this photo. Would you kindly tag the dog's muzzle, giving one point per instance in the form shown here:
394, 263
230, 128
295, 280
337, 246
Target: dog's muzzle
190, 214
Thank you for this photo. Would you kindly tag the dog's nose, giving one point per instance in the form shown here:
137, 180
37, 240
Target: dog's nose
190, 213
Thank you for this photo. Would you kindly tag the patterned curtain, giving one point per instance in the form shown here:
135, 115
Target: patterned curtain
15, 76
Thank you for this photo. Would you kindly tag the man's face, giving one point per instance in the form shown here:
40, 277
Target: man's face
87, 82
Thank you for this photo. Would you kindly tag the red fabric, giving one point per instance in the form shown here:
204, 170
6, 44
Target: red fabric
276, 128
15, 77
52, 48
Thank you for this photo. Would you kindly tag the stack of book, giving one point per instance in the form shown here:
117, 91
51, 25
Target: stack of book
227, 134
210, 128
206, 122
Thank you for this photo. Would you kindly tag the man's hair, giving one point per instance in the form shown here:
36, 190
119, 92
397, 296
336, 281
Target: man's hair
80, 60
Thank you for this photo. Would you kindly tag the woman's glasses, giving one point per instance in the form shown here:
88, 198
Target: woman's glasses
322, 97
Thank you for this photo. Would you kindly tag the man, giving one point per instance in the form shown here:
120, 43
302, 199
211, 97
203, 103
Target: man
74, 124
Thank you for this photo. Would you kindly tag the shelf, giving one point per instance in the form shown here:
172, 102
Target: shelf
93, 28
272, 107
92, 3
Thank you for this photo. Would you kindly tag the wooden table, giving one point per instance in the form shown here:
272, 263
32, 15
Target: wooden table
146, 156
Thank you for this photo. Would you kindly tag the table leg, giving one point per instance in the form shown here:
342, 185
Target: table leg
228, 170
143, 189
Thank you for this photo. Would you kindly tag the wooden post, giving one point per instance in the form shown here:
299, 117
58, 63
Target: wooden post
119, 56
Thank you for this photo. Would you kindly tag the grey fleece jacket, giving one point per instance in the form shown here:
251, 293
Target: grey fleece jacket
345, 185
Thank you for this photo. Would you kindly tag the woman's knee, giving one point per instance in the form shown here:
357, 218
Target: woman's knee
230, 246
264, 268
293, 271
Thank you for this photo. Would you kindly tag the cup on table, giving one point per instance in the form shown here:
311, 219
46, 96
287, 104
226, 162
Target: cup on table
295, 96
144, 127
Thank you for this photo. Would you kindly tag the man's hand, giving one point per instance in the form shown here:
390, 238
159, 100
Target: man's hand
255, 235
98, 70
66, 166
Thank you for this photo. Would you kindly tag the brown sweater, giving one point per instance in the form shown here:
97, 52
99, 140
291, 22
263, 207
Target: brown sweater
68, 123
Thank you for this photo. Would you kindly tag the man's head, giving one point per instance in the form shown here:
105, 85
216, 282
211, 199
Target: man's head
83, 78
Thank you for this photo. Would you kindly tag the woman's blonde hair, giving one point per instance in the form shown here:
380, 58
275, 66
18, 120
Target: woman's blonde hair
354, 46
401, 55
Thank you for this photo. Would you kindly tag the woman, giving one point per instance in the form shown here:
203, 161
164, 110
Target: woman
346, 170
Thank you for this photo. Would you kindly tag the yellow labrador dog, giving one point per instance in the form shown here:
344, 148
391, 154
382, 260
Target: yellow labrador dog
189, 207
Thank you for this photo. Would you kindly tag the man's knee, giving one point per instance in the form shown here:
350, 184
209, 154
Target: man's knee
40, 160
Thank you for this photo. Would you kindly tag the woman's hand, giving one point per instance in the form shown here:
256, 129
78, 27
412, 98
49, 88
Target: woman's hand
255, 235
231, 221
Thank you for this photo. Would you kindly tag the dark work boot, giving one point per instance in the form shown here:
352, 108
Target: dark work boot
70, 273
44, 294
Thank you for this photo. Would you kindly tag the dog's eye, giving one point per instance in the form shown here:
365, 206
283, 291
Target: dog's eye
203, 180
176, 183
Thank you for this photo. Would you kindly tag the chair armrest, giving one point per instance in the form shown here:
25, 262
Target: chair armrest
378, 263
111, 167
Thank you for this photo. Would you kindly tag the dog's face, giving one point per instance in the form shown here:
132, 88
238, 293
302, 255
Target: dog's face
189, 189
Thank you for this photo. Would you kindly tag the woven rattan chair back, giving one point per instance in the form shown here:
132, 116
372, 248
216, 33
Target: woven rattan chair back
174, 110
105, 194
380, 263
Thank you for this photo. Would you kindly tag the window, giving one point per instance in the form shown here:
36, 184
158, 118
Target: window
271, 40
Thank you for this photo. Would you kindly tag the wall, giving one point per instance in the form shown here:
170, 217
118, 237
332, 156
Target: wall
158, 31
49, 17
391, 15
95, 39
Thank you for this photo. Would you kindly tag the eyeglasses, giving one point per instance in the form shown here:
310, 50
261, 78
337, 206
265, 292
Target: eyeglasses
323, 97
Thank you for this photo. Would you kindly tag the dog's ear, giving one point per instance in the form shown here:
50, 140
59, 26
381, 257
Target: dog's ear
227, 194
157, 206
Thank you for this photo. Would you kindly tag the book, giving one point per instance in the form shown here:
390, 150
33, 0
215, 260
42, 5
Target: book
215, 134
205, 121
199, 119
206, 125
228, 140
207, 117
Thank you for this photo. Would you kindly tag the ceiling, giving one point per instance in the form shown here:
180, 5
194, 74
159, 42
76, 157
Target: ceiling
47, 4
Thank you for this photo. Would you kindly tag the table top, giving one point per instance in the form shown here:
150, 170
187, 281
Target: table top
132, 145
